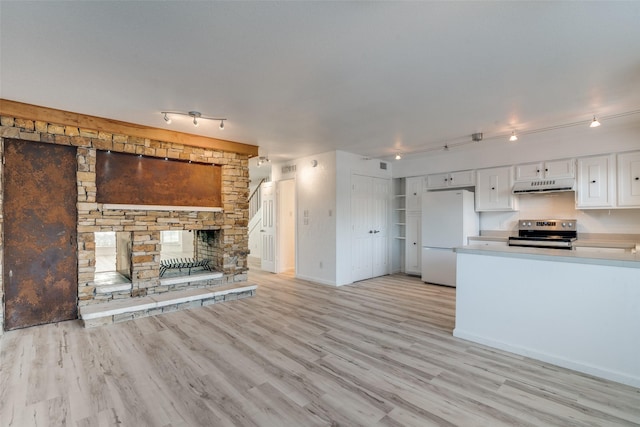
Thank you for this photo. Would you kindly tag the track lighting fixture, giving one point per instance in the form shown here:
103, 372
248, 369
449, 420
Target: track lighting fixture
514, 136
262, 160
196, 115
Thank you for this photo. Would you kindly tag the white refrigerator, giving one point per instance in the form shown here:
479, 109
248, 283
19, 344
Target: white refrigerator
448, 219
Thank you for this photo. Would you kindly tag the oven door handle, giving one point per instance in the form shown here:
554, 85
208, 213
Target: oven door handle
540, 243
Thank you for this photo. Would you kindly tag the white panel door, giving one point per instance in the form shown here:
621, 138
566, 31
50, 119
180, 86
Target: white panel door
379, 206
268, 228
362, 230
370, 218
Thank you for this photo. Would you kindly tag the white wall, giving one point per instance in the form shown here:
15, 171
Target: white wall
315, 217
562, 205
323, 213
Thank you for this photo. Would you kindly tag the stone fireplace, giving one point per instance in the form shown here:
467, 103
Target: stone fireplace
220, 234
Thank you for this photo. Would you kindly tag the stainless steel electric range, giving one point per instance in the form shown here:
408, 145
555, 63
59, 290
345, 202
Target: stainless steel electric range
546, 233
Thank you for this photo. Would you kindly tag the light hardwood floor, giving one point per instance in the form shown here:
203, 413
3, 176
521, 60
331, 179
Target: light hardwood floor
377, 353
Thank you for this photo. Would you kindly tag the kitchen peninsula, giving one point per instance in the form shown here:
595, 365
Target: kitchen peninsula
573, 309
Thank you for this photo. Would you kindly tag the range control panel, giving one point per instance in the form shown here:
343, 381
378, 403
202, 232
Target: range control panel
548, 224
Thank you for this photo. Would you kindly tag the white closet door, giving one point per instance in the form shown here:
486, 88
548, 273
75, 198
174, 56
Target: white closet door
370, 218
362, 231
379, 202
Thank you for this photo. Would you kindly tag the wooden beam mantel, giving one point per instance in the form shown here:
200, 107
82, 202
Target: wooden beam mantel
61, 117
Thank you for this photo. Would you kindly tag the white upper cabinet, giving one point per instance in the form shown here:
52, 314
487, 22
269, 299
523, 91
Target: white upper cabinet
596, 182
546, 170
629, 179
493, 190
450, 180
414, 194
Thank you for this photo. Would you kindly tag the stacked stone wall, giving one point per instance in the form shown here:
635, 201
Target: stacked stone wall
145, 225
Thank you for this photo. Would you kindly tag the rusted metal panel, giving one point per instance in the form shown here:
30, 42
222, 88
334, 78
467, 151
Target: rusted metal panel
40, 262
134, 180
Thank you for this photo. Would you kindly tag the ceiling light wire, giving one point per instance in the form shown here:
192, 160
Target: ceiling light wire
195, 115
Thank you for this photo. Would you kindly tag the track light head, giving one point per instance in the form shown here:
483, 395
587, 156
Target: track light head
167, 119
221, 124
594, 123
513, 136
398, 156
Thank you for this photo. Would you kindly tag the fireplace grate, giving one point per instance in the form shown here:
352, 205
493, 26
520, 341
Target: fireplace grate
180, 263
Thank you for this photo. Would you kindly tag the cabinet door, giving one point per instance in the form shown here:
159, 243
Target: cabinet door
595, 182
629, 179
414, 194
528, 171
413, 245
438, 180
560, 169
493, 190
462, 179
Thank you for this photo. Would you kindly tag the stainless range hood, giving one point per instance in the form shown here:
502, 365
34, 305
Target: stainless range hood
544, 186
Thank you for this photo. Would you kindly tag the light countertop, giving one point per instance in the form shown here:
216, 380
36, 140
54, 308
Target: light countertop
626, 259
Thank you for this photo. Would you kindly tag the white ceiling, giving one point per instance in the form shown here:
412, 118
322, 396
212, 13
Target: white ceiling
299, 78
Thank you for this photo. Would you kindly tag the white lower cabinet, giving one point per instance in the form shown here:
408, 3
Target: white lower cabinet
412, 242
